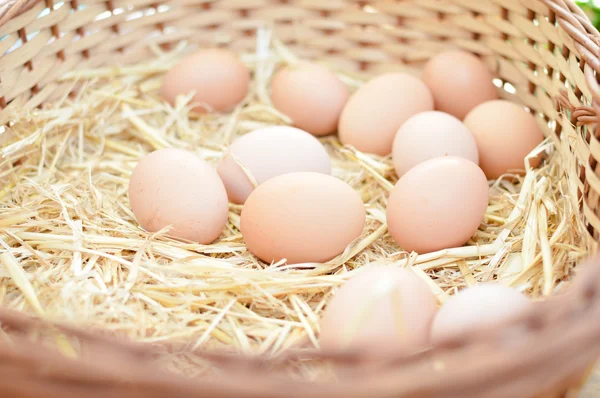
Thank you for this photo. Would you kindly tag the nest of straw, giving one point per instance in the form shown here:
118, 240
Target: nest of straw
72, 251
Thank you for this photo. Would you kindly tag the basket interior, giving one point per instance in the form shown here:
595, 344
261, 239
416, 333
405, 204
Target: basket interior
536, 61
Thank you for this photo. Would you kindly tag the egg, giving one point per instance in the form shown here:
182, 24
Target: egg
301, 217
505, 134
428, 135
459, 81
217, 77
437, 204
173, 187
479, 306
266, 153
381, 311
373, 115
311, 95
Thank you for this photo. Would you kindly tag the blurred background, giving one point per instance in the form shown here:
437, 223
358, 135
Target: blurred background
592, 9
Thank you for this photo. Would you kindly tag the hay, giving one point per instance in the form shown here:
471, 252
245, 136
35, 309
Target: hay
72, 251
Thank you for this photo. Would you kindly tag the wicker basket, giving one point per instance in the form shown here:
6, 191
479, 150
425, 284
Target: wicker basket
547, 50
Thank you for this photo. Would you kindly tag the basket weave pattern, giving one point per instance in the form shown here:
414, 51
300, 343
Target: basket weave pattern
545, 53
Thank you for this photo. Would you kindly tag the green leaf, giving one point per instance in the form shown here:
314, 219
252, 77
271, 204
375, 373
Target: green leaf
591, 9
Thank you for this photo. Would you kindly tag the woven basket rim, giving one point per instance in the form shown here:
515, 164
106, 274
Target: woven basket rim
573, 313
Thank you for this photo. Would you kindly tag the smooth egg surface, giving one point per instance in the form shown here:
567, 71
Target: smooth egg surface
484, 305
438, 204
311, 95
505, 134
174, 187
379, 108
302, 217
263, 154
429, 135
380, 310
459, 81
217, 77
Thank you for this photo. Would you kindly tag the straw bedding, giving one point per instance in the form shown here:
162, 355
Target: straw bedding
71, 249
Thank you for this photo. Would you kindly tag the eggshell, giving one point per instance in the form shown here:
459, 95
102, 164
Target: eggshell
459, 81
382, 311
437, 204
379, 108
174, 187
432, 134
218, 78
267, 153
480, 306
302, 217
505, 134
311, 95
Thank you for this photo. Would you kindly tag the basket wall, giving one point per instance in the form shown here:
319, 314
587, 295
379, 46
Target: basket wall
545, 54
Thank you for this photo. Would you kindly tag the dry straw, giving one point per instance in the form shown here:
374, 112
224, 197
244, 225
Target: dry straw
72, 252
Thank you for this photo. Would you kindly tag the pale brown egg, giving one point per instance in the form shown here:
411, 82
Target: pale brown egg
380, 311
438, 204
302, 217
378, 109
459, 81
218, 78
480, 306
266, 153
173, 187
311, 95
429, 135
505, 134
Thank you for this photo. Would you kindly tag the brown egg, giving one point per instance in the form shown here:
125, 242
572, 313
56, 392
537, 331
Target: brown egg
174, 187
459, 81
218, 78
505, 134
267, 153
438, 204
429, 135
378, 109
381, 311
302, 217
311, 95
480, 306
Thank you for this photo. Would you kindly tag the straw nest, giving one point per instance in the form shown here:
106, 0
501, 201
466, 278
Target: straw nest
71, 249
